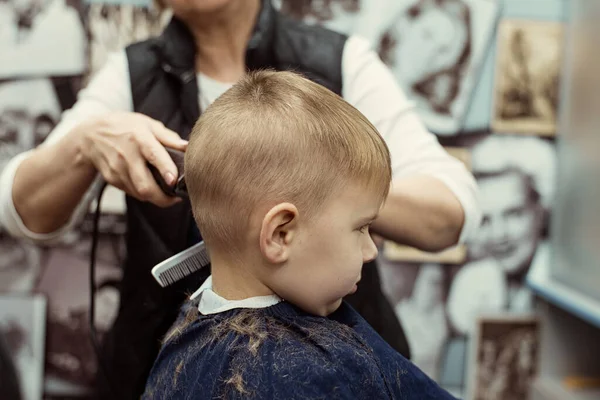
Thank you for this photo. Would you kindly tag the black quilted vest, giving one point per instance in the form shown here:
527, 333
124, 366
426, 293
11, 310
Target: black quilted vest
164, 87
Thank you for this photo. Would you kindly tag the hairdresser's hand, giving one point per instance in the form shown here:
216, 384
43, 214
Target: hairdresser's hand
120, 145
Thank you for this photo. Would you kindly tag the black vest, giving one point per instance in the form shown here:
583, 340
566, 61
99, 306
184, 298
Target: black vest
164, 87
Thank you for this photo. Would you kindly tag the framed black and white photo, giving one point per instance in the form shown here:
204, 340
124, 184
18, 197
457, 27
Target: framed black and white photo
41, 38
22, 342
504, 357
528, 69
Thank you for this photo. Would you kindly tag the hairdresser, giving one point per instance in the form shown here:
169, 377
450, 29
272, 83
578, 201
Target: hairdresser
148, 97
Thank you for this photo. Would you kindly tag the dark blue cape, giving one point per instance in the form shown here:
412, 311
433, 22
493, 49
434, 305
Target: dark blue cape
281, 352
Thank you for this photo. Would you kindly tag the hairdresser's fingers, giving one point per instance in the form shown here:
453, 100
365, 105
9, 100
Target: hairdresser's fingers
114, 165
144, 186
167, 137
112, 174
154, 153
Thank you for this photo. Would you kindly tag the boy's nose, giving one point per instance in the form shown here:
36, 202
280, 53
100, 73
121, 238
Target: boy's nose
370, 252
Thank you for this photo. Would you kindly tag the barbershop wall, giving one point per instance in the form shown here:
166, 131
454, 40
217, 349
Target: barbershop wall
484, 76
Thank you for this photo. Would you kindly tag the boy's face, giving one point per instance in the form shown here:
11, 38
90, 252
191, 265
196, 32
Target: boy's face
328, 252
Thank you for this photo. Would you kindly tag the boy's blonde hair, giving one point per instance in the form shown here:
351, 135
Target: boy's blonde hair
277, 137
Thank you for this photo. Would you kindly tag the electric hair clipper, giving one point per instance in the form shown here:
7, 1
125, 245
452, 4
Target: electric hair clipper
179, 189
192, 259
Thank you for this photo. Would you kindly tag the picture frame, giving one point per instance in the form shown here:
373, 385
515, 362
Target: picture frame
527, 77
504, 356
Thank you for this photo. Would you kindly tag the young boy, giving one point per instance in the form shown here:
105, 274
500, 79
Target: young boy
284, 178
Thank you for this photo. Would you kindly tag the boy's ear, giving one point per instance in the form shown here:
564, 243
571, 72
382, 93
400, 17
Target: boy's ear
277, 232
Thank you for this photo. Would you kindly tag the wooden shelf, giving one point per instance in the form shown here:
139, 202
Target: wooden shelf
546, 388
569, 346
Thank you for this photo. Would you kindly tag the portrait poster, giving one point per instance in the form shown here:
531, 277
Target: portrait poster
29, 110
516, 177
527, 77
434, 48
41, 38
71, 360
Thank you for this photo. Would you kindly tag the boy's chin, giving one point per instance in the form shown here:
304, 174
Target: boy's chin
354, 289
323, 310
331, 308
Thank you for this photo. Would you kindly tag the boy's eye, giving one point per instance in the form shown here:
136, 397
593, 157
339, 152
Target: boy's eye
365, 228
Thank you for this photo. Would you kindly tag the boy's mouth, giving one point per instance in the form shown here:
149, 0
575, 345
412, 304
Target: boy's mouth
355, 288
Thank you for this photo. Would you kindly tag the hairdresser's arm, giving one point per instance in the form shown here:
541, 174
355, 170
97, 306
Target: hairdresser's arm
49, 189
433, 200
421, 211
53, 184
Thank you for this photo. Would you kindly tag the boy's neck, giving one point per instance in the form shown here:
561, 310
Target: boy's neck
234, 281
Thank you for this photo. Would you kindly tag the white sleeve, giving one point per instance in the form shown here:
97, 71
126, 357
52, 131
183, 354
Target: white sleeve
370, 87
109, 90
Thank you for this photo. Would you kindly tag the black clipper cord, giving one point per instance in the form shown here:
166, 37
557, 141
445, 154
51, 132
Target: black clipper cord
102, 369
179, 190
